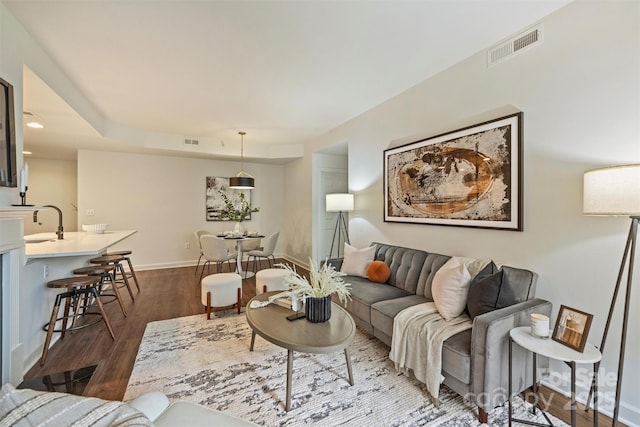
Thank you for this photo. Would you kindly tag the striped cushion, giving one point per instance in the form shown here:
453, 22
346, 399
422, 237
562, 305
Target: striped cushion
29, 408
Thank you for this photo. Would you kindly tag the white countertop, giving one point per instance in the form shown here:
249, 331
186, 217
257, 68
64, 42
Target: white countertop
73, 244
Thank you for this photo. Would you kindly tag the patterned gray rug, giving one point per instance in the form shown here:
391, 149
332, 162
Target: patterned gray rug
209, 362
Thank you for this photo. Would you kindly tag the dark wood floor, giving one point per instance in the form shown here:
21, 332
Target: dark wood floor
165, 294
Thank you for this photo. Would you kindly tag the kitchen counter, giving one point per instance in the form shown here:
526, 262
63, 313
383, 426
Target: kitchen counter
46, 245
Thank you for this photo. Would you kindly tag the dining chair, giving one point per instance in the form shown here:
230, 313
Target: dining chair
198, 234
266, 252
214, 249
247, 245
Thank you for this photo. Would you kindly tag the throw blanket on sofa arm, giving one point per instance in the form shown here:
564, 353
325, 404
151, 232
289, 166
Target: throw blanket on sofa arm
416, 344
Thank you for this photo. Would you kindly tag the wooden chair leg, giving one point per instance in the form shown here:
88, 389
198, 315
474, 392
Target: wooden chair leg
208, 305
239, 302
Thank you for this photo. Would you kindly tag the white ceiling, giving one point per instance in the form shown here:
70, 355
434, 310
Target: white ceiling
283, 71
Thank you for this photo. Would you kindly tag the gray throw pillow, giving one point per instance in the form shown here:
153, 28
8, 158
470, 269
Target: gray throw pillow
488, 291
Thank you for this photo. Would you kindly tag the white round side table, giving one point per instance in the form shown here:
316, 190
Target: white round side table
553, 350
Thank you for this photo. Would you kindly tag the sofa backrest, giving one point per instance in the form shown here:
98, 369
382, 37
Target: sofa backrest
413, 271
405, 265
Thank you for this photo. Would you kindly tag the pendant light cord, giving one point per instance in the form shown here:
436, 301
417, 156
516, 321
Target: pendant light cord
242, 134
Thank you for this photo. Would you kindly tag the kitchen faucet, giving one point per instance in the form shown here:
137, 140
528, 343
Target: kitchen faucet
60, 232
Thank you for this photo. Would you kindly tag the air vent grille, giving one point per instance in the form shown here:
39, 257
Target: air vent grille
527, 39
191, 142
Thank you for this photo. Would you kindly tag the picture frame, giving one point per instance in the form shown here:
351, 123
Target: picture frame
470, 177
214, 202
572, 328
8, 171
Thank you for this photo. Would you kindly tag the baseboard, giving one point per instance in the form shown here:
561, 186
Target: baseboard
193, 263
629, 414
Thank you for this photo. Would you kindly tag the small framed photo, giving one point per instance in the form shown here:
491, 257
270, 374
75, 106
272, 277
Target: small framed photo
572, 328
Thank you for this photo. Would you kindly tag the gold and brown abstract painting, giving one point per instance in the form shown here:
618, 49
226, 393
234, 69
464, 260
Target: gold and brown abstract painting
469, 177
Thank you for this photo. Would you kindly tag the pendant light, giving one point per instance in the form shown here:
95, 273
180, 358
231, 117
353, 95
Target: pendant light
242, 181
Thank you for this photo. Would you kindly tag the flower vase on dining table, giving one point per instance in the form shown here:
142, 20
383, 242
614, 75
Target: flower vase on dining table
238, 229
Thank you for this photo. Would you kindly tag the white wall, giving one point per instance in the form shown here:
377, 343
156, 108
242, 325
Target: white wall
579, 92
52, 182
164, 199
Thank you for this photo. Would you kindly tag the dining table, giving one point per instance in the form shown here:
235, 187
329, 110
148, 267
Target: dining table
239, 240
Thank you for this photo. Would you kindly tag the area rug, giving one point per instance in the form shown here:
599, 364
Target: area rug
209, 362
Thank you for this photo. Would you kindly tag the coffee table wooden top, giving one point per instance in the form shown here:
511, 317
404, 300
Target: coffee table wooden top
300, 335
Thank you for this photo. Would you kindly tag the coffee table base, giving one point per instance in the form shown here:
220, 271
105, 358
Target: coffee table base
290, 369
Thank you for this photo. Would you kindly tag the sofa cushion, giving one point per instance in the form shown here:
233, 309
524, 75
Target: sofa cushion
383, 312
488, 291
364, 293
356, 261
450, 287
378, 272
456, 356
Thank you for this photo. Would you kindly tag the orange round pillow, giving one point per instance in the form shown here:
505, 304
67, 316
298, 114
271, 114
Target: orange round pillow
378, 272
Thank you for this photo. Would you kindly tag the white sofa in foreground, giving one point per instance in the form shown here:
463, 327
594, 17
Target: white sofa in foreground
26, 408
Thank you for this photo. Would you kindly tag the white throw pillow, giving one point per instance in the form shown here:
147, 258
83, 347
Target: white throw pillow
356, 261
450, 287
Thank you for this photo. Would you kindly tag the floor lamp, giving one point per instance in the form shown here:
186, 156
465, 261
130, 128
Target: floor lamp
616, 191
340, 202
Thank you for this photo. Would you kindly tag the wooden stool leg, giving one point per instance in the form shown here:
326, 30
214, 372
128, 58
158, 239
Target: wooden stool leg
208, 305
65, 318
239, 303
52, 325
133, 273
116, 292
126, 281
104, 315
264, 288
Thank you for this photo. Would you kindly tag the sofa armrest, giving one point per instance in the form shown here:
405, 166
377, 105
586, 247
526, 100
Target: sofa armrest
490, 353
151, 404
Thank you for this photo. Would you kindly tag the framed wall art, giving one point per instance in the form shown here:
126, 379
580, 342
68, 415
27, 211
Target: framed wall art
572, 327
215, 202
469, 177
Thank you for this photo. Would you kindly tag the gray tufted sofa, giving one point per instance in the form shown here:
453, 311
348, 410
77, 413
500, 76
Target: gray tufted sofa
474, 362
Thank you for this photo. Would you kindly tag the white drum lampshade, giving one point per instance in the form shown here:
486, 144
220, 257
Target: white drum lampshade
612, 191
339, 202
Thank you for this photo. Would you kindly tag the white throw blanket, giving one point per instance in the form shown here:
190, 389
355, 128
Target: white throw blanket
416, 344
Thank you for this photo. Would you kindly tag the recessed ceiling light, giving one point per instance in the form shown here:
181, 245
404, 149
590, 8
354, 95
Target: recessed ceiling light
32, 121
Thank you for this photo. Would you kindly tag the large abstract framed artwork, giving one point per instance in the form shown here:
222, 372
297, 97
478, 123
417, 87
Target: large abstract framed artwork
470, 177
215, 202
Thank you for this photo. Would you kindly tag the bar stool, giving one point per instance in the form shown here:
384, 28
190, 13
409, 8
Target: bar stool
104, 272
77, 289
116, 262
132, 272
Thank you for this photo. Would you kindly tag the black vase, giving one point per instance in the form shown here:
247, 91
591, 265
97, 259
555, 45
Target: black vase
318, 310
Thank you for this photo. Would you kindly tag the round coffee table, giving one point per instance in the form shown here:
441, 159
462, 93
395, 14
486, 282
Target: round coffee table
300, 335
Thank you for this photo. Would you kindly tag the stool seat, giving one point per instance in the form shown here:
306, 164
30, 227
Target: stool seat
74, 282
121, 253
106, 259
271, 279
221, 290
93, 269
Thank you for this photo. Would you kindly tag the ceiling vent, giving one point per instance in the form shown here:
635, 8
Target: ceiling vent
517, 44
191, 142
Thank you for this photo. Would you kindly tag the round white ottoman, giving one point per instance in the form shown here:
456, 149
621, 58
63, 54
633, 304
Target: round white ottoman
221, 290
270, 279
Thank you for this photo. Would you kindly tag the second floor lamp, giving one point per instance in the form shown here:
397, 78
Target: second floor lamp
339, 202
